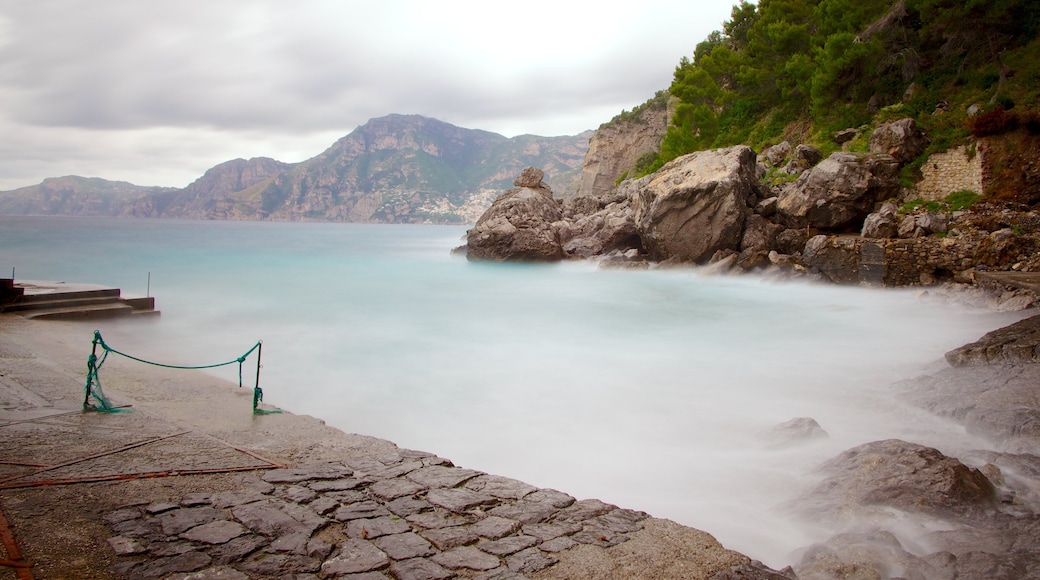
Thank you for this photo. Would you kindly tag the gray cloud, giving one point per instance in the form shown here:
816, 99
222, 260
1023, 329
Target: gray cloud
127, 87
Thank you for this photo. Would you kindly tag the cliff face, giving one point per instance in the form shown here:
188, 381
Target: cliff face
616, 147
395, 169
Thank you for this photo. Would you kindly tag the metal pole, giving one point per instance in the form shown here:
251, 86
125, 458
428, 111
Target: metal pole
259, 349
148, 293
91, 371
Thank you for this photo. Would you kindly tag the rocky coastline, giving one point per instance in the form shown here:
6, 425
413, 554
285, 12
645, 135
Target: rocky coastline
898, 509
787, 212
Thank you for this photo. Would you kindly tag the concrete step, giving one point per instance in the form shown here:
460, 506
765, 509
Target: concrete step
60, 301
33, 295
85, 312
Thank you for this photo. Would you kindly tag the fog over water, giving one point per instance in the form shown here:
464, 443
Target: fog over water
648, 389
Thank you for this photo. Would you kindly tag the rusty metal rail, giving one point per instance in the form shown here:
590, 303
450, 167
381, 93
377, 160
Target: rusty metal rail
22, 568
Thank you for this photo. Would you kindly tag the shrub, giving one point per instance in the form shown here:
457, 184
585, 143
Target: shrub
962, 199
995, 122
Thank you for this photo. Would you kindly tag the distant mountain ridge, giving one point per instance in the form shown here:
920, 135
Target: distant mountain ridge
393, 169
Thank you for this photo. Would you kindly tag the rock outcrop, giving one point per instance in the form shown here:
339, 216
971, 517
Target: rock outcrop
839, 192
901, 475
903, 139
520, 225
695, 205
616, 146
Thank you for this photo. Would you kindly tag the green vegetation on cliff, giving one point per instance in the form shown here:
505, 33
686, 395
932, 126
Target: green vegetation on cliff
803, 69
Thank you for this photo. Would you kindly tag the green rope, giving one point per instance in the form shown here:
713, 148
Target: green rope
93, 387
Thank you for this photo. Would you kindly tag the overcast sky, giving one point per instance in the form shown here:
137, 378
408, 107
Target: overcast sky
156, 93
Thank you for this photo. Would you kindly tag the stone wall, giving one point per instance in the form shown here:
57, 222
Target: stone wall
950, 171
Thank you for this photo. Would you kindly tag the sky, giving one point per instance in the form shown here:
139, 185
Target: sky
156, 93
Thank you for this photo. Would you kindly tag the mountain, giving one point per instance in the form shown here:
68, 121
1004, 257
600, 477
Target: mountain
74, 195
393, 169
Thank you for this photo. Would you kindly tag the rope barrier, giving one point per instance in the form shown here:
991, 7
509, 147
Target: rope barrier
93, 386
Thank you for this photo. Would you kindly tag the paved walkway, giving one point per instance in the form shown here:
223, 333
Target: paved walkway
190, 485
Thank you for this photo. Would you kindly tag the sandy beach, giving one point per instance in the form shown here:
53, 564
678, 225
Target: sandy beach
200, 435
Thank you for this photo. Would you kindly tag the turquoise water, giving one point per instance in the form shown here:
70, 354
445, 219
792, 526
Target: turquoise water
649, 389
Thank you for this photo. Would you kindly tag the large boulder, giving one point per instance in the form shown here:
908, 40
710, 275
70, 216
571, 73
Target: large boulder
519, 225
901, 139
900, 475
839, 192
695, 205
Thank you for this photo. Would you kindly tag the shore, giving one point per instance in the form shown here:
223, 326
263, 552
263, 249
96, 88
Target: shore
197, 437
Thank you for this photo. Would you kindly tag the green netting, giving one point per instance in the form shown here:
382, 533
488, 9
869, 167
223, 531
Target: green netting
101, 402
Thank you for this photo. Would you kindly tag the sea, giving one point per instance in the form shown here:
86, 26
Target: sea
655, 390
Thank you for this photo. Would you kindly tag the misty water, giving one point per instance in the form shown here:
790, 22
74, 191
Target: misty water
648, 389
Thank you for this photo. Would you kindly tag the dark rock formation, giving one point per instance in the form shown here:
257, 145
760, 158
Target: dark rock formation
695, 205
838, 193
593, 227
1017, 343
904, 476
519, 226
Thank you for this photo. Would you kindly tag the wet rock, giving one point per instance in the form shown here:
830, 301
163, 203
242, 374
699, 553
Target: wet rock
355, 556
901, 475
588, 234
466, 557
273, 517
509, 545
448, 538
494, 527
518, 227
529, 561
363, 509
1016, 343
307, 473
837, 258
695, 205
214, 573
405, 545
797, 430
759, 234
180, 520
419, 569
124, 546
440, 476
394, 488
501, 487
217, 532
376, 527
839, 192
459, 500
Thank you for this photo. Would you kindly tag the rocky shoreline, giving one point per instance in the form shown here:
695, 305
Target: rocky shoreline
347, 505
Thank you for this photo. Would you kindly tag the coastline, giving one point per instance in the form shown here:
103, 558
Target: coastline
62, 529
78, 529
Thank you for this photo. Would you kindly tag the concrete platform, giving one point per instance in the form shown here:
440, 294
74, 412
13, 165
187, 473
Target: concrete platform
57, 300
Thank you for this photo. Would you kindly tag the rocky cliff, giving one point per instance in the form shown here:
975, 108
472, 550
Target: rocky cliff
617, 146
394, 169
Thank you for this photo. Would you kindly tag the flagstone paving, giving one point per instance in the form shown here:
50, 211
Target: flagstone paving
408, 515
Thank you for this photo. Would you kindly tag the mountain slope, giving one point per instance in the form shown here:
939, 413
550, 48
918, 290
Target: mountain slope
394, 169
